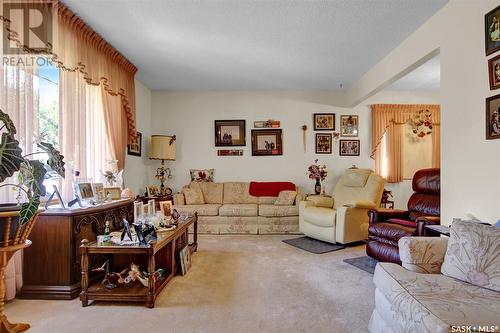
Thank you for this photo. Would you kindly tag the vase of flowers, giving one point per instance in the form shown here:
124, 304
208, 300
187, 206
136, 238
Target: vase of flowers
317, 172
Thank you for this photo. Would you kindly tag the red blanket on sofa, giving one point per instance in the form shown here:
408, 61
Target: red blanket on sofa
269, 189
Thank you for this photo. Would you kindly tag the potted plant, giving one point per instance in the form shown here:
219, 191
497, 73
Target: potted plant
31, 172
317, 172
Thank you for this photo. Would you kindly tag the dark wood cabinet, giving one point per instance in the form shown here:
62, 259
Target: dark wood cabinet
51, 265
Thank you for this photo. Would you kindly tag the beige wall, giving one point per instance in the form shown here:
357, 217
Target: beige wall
470, 177
137, 172
191, 115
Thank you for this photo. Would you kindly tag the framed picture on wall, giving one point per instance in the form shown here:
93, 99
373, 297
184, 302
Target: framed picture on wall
493, 117
135, 149
267, 142
349, 125
323, 143
494, 72
230, 133
349, 148
324, 121
492, 31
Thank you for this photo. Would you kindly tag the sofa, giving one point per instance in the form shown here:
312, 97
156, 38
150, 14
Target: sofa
387, 226
229, 208
443, 285
343, 217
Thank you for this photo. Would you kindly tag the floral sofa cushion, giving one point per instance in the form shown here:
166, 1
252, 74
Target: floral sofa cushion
202, 210
237, 193
212, 192
432, 302
266, 200
193, 196
273, 210
238, 210
286, 198
473, 254
202, 175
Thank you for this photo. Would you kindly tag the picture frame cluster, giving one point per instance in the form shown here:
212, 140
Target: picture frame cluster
349, 128
492, 45
267, 136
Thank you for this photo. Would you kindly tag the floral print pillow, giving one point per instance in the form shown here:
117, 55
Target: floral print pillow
473, 254
286, 198
202, 175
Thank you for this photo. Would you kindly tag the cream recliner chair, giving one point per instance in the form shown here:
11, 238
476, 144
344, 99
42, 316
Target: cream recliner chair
343, 218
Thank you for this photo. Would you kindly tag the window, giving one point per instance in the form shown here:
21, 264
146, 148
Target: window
48, 111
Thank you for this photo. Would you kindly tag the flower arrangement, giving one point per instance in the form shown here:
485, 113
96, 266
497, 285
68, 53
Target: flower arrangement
317, 172
109, 176
422, 123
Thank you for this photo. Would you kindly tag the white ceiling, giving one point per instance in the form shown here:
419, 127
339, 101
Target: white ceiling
425, 77
254, 44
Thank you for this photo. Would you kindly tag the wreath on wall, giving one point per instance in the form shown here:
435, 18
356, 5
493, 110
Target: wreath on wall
422, 123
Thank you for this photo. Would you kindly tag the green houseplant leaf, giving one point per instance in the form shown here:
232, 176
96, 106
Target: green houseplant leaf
31, 175
10, 156
8, 123
28, 210
56, 160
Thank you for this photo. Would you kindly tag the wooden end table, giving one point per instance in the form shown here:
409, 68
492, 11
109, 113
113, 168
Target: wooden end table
159, 254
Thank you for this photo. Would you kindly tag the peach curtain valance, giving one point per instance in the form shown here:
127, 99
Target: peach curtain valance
78, 48
387, 119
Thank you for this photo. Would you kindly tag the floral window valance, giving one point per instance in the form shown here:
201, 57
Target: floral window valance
77, 47
388, 119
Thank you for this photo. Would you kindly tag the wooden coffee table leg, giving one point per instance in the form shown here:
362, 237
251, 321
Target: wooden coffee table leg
150, 302
195, 234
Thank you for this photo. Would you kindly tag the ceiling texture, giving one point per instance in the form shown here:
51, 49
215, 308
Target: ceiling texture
254, 44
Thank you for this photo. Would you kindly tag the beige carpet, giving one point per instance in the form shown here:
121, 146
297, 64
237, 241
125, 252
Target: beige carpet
237, 284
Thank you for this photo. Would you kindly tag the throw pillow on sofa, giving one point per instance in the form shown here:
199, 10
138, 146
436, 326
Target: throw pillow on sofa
193, 196
286, 198
473, 254
202, 175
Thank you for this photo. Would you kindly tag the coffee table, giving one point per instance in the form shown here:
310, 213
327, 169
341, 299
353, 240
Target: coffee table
163, 253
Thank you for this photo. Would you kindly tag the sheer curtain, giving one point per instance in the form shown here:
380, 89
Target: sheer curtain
19, 99
82, 130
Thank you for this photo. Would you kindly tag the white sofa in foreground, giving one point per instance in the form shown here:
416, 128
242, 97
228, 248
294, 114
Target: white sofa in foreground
418, 298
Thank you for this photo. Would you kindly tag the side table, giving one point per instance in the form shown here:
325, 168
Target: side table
437, 230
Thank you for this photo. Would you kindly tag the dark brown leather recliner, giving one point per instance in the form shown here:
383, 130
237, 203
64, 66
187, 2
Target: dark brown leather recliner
387, 226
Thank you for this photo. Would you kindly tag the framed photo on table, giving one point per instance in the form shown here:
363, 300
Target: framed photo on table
85, 191
323, 143
115, 193
230, 133
349, 125
349, 148
493, 117
267, 142
324, 121
492, 31
152, 191
166, 207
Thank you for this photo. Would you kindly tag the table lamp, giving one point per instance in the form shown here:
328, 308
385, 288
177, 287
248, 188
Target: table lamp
162, 148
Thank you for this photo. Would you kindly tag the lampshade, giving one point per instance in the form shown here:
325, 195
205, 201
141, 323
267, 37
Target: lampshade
162, 147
